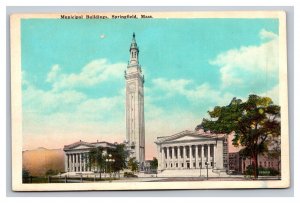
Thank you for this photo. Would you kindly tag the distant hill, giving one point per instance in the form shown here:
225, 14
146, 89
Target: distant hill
40, 160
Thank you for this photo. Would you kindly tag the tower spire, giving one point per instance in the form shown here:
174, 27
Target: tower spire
134, 51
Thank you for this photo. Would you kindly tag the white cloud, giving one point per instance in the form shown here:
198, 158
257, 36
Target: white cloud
172, 86
193, 92
95, 72
49, 112
38, 100
53, 74
61, 114
264, 34
243, 65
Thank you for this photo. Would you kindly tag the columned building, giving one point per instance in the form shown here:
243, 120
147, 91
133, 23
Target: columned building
76, 155
192, 150
135, 124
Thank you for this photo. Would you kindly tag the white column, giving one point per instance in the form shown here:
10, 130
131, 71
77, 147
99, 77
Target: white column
202, 156
208, 154
70, 162
173, 157
191, 158
184, 156
87, 162
178, 157
196, 156
168, 158
66, 162
77, 162
80, 161
159, 157
163, 165
83, 161
73, 155
214, 159
178, 153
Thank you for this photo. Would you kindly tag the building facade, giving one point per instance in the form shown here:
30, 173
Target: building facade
135, 124
238, 164
76, 155
192, 150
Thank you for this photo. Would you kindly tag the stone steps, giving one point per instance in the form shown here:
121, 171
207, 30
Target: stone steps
191, 173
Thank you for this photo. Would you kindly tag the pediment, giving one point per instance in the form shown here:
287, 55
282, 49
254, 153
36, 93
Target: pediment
82, 146
187, 138
78, 145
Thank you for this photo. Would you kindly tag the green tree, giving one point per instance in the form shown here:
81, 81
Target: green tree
133, 164
154, 164
254, 123
119, 154
96, 159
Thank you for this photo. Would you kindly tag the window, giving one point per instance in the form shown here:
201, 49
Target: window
176, 165
182, 165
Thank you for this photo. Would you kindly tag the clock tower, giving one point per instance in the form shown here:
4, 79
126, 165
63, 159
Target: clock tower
135, 124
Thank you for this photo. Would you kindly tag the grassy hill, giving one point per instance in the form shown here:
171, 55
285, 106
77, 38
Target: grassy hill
40, 160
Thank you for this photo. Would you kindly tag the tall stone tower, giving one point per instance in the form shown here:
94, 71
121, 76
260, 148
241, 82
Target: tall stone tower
135, 124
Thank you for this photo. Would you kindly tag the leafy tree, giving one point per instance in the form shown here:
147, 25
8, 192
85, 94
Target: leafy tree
254, 123
96, 159
154, 163
119, 154
133, 164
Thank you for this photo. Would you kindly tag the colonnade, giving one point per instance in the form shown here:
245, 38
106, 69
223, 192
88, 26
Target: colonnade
77, 162
187, 156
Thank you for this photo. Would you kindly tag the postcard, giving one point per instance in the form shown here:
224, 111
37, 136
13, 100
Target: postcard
153, 100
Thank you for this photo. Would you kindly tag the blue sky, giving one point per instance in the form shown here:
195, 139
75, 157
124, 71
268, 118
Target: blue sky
73, 74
